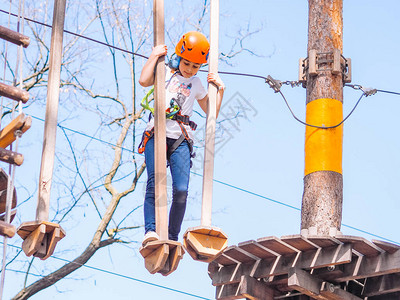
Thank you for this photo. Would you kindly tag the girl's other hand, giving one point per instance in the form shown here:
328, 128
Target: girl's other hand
215, 79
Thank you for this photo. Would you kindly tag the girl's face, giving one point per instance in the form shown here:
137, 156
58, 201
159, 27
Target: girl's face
188, 68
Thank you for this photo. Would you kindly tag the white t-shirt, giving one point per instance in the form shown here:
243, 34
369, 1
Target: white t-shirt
184, 91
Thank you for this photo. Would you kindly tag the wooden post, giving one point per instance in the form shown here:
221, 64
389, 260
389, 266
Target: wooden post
40, 236
323, 181
208, 170
50, 125
160, 155
205, 242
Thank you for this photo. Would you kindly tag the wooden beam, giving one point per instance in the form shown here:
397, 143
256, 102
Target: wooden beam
11, 157
208, 170
392, 296
13, 93
50, 125
160, 156
305, 283
383, 264
382, 285
333, 292
248, 287
14, 37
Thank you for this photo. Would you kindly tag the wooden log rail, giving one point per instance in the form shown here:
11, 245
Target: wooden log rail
13, 93
11, 157
14, 37
317, 267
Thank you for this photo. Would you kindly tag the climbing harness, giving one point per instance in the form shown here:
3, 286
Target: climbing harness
172, 113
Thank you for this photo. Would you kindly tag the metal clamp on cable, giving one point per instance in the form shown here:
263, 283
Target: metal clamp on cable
369, 91
274, 84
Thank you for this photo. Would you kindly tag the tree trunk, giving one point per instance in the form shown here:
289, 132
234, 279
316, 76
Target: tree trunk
323, 182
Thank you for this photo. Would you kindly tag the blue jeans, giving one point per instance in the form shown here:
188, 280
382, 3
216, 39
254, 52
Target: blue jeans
180, 171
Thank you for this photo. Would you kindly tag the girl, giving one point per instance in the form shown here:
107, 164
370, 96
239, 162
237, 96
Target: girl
183, 87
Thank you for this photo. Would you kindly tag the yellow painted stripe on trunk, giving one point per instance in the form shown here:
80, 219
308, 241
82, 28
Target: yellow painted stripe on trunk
323, 147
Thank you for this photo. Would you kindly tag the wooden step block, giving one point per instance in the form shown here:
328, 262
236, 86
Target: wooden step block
6, 229
204, 243
7, 134
13, 93
40, 238
11, 157
162, 256
14, 37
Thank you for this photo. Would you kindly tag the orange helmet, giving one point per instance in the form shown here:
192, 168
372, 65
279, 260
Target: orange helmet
193, 46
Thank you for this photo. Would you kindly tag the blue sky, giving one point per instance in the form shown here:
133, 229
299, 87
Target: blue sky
265, 150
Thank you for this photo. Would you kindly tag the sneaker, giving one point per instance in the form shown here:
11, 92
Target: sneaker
150, 237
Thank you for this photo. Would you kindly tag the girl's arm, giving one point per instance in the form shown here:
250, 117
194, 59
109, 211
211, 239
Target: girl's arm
147, 75
215, 79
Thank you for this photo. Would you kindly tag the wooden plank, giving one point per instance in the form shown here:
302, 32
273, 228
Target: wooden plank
32, 242
156, 260
333, 292
388, 247
11, 157
324, 241
274, 244
208, 169
13, 93
361, 245
305, 283
6, 229
14, 37
240, 255
382, 285
175, 255
50, 125
257, 250
52, 240
225, 260
299, 242
7, 134
248, 288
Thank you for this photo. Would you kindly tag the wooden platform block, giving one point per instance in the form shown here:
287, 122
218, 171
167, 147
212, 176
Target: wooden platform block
14, 37
7, 134
13, 93
40, 238
162, 256
204, 243
6, 229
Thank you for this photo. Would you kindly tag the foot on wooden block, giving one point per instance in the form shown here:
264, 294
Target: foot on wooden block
40, 238
162, 256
